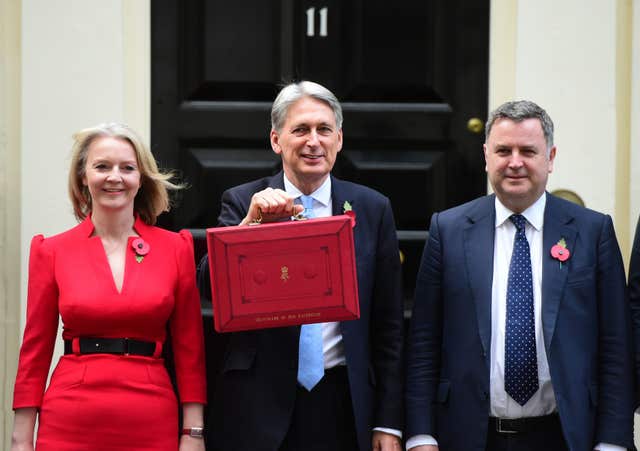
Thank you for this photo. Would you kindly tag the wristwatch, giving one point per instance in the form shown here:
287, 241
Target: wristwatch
196, 432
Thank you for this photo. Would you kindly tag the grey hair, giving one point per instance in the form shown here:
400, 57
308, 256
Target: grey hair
293, 92
518, 111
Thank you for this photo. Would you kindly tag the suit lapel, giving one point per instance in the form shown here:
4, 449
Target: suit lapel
478, 236
557, 224
277, 181
340, 193
337, 196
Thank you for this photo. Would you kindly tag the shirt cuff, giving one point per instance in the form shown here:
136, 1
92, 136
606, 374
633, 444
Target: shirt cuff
608, 447
422, 439
395, 432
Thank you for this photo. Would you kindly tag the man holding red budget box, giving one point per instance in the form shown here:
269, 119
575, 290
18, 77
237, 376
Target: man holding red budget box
334, 385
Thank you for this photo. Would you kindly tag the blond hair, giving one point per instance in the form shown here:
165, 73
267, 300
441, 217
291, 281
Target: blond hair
153, 196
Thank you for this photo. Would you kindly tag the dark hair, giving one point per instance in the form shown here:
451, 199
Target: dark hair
518, 111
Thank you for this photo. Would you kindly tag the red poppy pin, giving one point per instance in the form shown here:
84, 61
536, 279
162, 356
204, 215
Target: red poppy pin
560, 252
347, 209
141, 248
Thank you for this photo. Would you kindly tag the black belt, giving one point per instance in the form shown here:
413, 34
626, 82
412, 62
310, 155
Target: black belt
520, 425
90, 345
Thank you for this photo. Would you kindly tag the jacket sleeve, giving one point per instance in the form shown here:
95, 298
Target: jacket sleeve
232, 212
634, 302
40, 329
186, 327
387, 329
233, 209
424, 343
614, 422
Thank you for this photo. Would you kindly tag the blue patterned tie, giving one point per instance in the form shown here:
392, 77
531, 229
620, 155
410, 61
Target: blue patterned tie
310, 357
521, 362
307, 203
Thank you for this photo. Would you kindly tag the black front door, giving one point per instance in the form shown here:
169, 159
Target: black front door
411, 75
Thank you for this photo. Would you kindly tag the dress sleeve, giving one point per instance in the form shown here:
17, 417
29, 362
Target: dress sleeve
40, 329
186, 327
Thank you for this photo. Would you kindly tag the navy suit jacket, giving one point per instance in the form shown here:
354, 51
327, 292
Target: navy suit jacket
585, 320
255, 392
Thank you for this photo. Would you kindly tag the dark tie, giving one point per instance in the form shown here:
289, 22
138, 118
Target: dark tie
310, 357
520, 360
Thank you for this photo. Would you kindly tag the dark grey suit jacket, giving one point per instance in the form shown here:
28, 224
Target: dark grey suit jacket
255, 392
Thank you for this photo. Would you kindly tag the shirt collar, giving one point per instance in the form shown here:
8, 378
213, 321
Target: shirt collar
322, 194
534, 214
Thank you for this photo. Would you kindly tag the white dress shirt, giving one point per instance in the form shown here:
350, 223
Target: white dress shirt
332, 346
543, 401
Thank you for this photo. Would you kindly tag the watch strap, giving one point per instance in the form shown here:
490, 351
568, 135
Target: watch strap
197, 432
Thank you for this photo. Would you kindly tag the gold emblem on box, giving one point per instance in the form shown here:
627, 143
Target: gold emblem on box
284, 273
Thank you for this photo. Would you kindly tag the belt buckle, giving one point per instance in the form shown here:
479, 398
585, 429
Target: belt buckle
126, 346
501, 430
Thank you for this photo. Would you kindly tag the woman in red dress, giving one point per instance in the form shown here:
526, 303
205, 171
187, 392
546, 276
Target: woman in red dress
117, 282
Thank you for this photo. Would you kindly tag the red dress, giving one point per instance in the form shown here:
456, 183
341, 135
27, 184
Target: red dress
107, 401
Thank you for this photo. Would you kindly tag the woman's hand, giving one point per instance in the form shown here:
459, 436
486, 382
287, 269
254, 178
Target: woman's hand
23, 426
192, 416
23, 446
188, 443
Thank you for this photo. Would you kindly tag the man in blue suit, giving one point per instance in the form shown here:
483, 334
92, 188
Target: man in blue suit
262, 399
520, 336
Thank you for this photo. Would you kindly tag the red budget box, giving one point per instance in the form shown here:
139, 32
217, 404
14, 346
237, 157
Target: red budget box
282, 274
